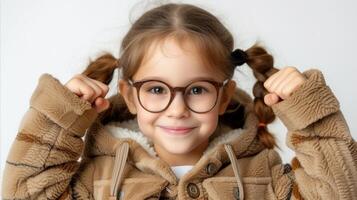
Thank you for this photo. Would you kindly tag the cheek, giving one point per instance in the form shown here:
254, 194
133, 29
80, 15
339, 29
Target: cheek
144, 118
208, 122
146, 121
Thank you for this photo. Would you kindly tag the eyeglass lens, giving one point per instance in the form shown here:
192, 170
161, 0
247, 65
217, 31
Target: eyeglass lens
199, 96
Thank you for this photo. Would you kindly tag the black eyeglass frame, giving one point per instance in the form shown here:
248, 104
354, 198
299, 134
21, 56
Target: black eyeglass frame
173, 90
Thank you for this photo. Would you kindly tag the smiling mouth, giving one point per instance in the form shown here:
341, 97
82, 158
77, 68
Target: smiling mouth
177, 130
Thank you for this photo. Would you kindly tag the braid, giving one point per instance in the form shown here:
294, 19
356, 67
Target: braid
262, 65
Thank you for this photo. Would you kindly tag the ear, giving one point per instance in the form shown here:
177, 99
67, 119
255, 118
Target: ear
227, 94
128, 93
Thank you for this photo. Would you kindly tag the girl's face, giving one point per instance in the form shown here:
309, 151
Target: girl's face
176, 67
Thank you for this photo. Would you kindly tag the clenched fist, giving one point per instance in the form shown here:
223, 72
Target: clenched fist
282, 84
90, 90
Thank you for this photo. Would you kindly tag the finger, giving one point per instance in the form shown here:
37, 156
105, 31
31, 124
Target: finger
267, 99
291, 87
87, 92
104, 87
101, 104
81, 89
98, 91
279, 80
73, 86
270, 80
282, 87
271, 99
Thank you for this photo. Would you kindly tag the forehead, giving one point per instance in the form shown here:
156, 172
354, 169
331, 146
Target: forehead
173, 62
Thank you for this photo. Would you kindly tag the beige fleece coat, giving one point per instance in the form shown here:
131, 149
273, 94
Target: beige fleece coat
50, 160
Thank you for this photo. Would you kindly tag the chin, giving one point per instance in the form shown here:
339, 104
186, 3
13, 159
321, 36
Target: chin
178, 148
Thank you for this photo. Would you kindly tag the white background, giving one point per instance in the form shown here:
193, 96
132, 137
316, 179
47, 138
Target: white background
59, 37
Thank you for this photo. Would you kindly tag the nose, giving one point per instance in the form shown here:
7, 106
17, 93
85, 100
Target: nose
178, 108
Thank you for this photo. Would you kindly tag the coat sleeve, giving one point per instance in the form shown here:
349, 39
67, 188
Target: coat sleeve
325, 162
44, 156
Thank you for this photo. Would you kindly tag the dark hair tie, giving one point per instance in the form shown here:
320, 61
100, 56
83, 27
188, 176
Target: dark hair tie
239, 57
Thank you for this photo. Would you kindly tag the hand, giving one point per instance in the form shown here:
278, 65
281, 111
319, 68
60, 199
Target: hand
282, 84
90, 90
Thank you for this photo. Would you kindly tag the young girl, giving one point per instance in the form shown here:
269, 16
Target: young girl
181, 128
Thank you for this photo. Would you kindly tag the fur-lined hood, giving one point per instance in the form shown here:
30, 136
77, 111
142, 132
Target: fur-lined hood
117, 125
118, 160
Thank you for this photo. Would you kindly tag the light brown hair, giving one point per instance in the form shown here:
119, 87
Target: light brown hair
213, 40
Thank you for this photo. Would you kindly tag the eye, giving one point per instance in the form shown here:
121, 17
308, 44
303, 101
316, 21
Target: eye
197, 90
157, 90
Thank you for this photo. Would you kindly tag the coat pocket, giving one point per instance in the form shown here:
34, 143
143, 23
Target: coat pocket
132, 188
223, 188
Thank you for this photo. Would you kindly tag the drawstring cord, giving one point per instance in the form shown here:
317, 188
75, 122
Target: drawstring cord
121, 156
235, 167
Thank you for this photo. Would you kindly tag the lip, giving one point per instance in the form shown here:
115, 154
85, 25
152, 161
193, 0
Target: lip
177, 130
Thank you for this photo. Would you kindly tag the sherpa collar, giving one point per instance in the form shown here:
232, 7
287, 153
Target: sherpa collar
105, 138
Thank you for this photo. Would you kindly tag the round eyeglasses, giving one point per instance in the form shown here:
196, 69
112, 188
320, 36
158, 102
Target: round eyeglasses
155, 96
